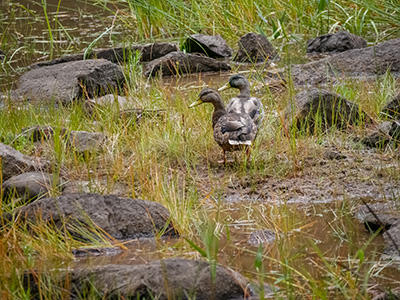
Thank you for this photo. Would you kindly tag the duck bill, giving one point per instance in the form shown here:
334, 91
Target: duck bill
225, 87
198, 102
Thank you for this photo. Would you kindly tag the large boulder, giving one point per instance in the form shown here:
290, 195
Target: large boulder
316, 106
392, 109
335, 42
387, 216
174, 278
122, 218
14, 162
362, 63
211, 45
69, 81
147, 52
255, 48
182, 63
30, 185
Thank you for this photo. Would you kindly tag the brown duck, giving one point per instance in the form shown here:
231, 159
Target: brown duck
232, 131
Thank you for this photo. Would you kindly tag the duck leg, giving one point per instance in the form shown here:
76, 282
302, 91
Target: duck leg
223, 161
248, 153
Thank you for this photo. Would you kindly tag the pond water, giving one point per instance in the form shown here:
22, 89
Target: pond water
314, 233
26, 36
74, 26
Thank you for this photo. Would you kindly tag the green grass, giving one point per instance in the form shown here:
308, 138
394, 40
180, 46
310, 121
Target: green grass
172, 159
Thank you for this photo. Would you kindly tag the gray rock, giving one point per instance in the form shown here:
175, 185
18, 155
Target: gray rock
365, 62
388, 131
174, 278
211, 45
122, 218
182, 63
393, 294
38, 133
326, 108
386, 215
83, 141
262, 237
392, 109
2, 55
335, 42
255, 48
14, 162
87, 252
147, 52
69, 81
30, 185
104, 101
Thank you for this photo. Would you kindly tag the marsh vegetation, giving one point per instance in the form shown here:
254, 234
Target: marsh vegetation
292, 185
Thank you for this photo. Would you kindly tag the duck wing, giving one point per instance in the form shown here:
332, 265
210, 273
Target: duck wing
252, 106
235, 129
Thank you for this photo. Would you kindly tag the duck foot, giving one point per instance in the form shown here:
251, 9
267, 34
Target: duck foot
227, 161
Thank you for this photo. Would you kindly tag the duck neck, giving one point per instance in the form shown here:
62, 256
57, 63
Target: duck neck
244, 91
219, 111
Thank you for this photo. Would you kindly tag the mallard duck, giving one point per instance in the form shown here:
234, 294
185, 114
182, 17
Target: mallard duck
244, 103
232, 131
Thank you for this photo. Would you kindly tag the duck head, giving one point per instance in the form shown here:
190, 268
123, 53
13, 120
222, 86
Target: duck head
207, 95
238, 81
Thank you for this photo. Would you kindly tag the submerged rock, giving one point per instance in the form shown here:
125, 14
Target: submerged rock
392, 109
69, 81
211, 45
315, 106
255, 48
30, 185
387, 216
262, 237
365, 62
14, 162
122, 218
174, 278
335, 42
181, 63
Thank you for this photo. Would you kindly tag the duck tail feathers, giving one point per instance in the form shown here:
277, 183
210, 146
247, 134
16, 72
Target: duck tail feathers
233, 142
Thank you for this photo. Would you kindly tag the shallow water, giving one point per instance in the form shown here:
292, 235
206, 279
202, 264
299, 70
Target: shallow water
316, 230
315, 226
76, 24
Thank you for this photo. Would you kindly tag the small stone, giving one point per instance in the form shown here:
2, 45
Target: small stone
14, 162
262, 237
31, 185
